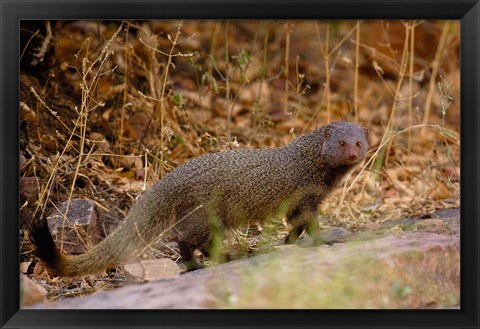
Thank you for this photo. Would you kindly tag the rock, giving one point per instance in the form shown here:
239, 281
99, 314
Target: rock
335, 235
151, 270
81, 228
328, 236
24, 266
30, 292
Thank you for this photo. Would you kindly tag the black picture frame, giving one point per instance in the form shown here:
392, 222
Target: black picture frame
12, 11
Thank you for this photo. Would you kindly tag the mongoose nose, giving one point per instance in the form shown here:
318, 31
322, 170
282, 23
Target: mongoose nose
352, 156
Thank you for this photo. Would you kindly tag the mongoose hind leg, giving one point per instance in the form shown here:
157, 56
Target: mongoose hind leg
294, 233
190, 242
193, 232
304, 217
188, 259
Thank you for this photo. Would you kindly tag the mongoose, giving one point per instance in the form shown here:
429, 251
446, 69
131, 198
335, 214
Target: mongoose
219, 191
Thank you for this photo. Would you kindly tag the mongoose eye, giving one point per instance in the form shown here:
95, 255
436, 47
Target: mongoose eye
359, 144
342, 143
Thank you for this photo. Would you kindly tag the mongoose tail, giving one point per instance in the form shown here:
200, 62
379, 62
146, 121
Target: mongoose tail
102, 256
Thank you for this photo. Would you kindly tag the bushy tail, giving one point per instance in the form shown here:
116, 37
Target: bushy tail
103, 256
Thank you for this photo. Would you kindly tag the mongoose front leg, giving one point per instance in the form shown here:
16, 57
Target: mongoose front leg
304, 217
202, 230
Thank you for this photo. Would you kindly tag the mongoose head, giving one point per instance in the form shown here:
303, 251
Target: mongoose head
339, 144
344, 144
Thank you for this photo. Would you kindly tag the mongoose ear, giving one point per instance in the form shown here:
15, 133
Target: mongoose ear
366, 132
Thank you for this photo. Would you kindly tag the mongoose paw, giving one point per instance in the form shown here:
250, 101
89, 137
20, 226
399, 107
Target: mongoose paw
191, 265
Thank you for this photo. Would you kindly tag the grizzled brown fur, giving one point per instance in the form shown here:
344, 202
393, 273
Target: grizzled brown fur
223, 190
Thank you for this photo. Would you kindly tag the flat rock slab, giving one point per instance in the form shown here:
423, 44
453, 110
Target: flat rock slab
81, 228
30, 292
198, 289
151, 270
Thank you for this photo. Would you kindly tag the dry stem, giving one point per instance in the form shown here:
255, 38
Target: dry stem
435, 67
